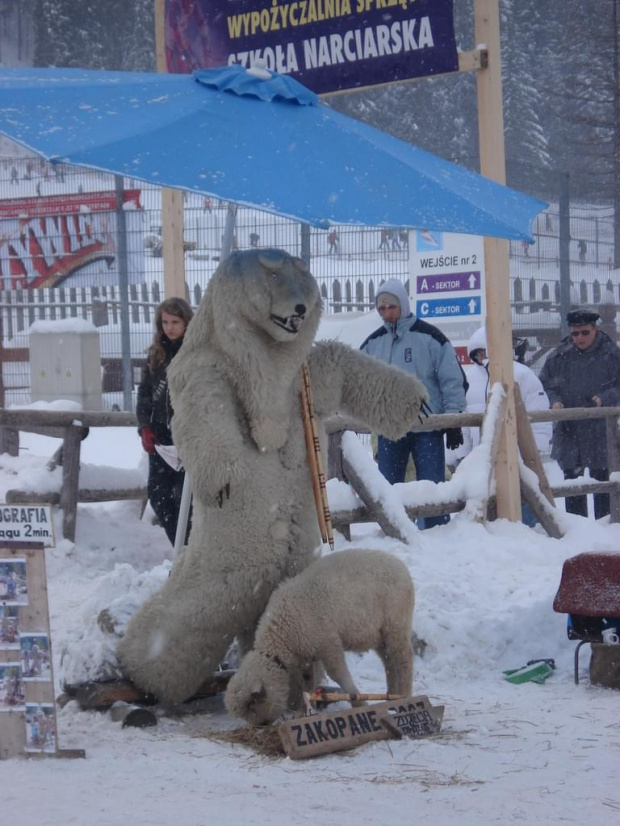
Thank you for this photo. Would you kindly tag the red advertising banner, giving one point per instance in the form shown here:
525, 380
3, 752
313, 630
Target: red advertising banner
328, 45
47, 241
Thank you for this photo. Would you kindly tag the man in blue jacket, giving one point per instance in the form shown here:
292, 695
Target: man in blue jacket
421, 349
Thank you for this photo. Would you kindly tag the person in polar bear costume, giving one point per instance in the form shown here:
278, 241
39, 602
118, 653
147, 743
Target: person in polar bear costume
237, 424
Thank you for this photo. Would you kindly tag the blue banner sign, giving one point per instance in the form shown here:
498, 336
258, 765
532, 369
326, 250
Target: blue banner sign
328, 45
448, 307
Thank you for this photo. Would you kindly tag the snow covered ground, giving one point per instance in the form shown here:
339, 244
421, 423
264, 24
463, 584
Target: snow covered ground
506, 753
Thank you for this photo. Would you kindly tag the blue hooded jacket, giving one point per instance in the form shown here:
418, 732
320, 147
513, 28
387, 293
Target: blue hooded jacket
420, 349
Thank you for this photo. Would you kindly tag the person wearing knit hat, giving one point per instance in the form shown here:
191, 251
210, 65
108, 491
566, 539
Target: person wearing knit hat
583, 371
532, 393
421, 349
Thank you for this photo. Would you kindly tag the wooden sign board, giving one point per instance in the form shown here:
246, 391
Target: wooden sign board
27, 705
412, 717
346, 729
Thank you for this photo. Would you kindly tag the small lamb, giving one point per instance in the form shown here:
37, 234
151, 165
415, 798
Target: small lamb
353, 600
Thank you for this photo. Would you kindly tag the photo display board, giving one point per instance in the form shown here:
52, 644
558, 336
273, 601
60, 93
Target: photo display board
28, 724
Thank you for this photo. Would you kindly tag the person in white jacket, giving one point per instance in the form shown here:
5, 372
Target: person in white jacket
532, 392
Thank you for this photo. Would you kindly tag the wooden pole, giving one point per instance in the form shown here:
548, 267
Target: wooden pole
613, 463
499, 321
315, 460
70, 480
370, 492
321, 696
171, 199
528, 448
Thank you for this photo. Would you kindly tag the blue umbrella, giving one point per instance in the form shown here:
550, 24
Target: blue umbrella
254, 138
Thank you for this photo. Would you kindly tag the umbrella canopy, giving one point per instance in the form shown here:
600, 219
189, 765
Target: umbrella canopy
255, 138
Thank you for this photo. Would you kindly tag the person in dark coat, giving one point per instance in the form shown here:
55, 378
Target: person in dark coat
583, 371
154, 411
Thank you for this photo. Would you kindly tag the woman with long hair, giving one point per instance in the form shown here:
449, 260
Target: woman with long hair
154, 411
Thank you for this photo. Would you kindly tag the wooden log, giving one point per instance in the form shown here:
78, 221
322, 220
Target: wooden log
340, 696
56, 460
92, 696
103, 695
567, 414
435, 421
541, 507
22, 419
498, 426
52, 432
374, 505
39, 421
343, 518
563, 490
25, 497
70, 754
362, 514
441, 421
9, 441
70, 480
335, 469
613, 463
84, 496
528, 449
26, 419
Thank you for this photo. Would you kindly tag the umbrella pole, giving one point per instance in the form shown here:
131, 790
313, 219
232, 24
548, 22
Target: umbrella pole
313, 448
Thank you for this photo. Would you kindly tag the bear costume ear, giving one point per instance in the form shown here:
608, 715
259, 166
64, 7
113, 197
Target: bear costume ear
276, 260
272, 259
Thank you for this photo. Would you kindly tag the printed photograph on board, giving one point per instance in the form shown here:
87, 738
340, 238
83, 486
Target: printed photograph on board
40, 727
13, 582
9, 627
36, 665
12, 695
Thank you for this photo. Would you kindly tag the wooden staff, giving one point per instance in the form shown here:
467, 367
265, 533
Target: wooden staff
338, 697
313, 449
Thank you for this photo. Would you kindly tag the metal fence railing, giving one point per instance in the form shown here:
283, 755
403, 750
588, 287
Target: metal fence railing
58, 260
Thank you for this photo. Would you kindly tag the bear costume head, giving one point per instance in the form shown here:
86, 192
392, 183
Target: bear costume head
258, 318
267, 295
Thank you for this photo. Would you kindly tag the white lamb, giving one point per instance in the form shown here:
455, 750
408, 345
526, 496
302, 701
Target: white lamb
354, 600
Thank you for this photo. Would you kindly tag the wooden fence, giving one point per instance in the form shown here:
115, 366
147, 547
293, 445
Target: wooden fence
71, 428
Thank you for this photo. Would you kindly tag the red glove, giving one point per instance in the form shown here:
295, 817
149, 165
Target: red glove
147, 434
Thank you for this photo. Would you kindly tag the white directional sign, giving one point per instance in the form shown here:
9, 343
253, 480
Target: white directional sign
447, 283
27, 523
449, 307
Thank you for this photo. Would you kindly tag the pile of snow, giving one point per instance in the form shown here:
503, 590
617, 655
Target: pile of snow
484, 594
